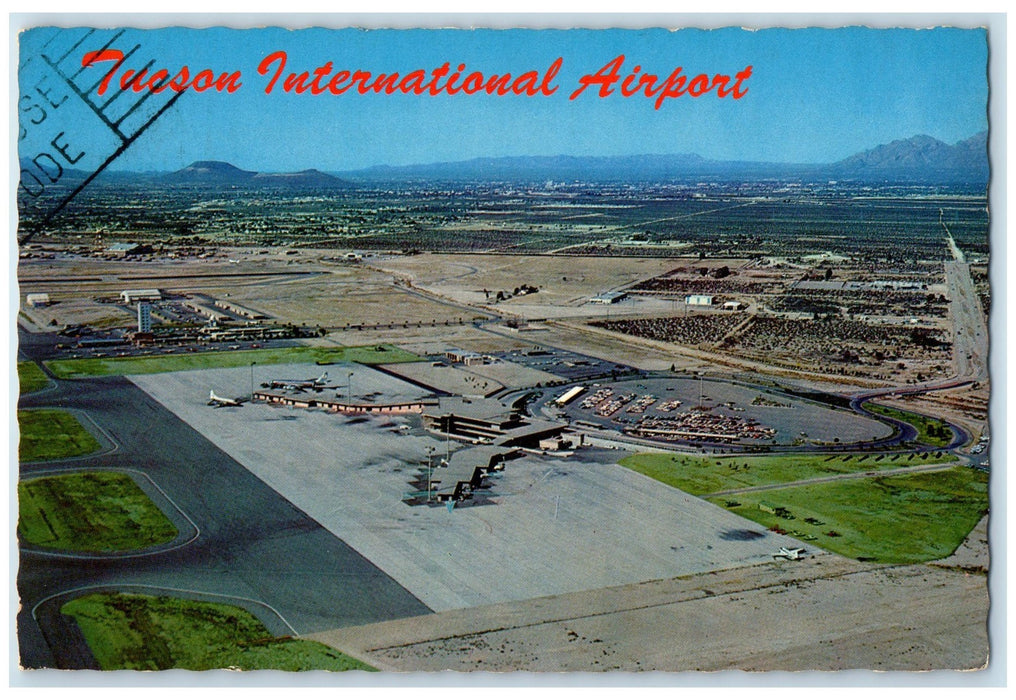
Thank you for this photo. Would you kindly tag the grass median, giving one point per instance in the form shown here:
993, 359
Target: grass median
31, 378
49, 433
157, 633
154, 364
90, 512
930, 431
700, 475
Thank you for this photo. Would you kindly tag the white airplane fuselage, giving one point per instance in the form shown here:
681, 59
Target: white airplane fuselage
293, 384
218, 401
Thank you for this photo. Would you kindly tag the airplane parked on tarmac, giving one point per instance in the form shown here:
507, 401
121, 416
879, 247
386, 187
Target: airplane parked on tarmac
298, 384
789, 554
219, 402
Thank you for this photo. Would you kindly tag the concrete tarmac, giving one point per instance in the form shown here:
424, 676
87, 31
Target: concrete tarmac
552, 525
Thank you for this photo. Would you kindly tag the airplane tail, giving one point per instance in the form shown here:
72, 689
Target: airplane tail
322, 379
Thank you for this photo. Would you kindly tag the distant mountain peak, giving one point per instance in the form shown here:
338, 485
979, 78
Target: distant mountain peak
211, 165
205, 172
921, 157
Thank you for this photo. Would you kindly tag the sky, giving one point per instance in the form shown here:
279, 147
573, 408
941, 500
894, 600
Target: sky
813, 95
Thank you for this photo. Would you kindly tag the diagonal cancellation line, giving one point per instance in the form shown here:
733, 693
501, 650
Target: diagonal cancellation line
53, 36
79, 43
105, 46
140, 102
84, 94
123, 90
116, 93
116, 154
73, 47
26, 60
84, 98
98, 82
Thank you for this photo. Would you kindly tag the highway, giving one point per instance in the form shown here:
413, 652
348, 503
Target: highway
970, 339
970, 332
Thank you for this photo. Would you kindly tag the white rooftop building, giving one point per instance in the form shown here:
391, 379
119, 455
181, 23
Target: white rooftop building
129, 296
609, 298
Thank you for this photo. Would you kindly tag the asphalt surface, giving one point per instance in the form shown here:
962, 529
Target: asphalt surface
252, 547
902, 432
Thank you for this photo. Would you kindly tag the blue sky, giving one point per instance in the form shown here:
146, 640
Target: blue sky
815, 95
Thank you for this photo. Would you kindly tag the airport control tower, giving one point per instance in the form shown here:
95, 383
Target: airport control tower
144, 317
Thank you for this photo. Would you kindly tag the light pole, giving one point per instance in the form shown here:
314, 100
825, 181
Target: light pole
349, 387
430, 470
252, 380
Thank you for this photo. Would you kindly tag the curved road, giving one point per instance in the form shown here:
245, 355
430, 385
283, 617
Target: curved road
252, 544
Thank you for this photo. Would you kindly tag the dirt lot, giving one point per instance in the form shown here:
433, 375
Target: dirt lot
331, 294
417, 298
822, 613
561, 281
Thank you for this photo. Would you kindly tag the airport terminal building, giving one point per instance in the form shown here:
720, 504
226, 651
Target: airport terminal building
487, 420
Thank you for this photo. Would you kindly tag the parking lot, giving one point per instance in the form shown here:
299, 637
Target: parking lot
793, 420
563, 363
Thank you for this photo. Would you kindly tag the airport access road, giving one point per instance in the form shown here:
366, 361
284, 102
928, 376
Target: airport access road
970, 332
254, 545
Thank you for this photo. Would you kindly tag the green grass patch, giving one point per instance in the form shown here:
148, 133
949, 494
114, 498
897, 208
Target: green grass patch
49, 433
930, 431
100, 366
902, 519
90, 512
700, 475
157, 633
31, 378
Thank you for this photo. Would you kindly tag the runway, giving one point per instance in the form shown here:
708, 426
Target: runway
253, 544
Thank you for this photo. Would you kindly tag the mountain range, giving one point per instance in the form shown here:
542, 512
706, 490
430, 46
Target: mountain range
919, 160
964, 161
